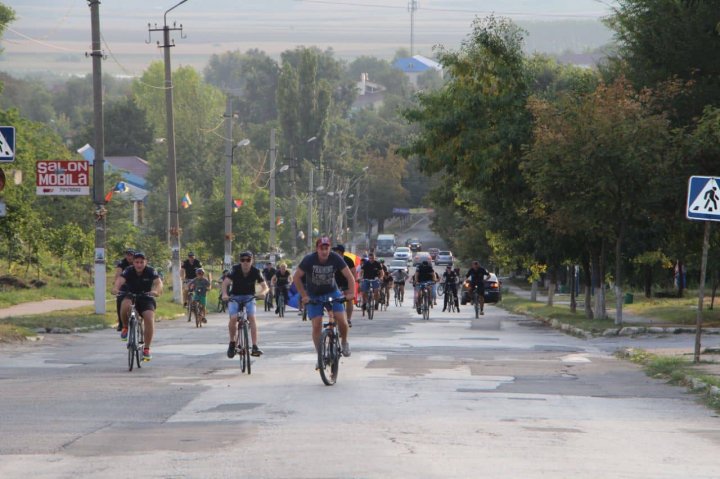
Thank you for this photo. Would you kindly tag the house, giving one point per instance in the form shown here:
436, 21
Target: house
415, 66
370, 95
133, 170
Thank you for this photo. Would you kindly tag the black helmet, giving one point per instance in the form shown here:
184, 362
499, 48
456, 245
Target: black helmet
425, 263
340, 248
246, 254
129, 251
139, 254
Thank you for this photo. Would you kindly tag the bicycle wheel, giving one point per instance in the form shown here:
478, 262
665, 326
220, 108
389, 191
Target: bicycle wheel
189, 309
198, 315
396, 296
246, 338
426, 305
281, 305
402, 294
140, 343
382, 299
371, 304
241, 345
132, 345
476, 304
441, 289
327, 358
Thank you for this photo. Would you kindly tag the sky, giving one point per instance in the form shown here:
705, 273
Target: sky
55, 34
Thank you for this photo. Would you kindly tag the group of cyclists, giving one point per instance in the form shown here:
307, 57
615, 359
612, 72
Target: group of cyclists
326, 274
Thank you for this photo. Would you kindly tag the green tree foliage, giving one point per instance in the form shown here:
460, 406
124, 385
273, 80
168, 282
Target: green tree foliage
600, 162
664, 39
252, 77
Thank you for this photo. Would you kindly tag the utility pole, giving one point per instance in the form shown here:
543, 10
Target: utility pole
310, 209
227, 258
173, 220
293, 206
273, 160
412, 8
99, 161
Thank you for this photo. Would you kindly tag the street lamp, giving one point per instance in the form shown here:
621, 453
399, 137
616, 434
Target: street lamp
227, 260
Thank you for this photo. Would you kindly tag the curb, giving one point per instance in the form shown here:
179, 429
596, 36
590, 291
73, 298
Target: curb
691, 383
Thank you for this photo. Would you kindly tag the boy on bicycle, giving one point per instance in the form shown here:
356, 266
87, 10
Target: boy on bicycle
424, 274
200, 286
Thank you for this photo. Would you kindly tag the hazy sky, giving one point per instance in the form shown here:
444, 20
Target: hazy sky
59, 30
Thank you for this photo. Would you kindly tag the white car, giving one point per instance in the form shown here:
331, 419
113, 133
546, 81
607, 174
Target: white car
397, 264
444, 257
402, 252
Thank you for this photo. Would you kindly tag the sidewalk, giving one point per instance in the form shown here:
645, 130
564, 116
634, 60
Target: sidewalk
40, 307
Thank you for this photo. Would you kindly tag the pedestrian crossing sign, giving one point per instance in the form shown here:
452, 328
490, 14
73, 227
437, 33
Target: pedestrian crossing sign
703, 198
7, 144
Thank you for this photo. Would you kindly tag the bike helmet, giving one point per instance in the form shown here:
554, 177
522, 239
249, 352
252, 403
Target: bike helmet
425, 263
246, 254
139, 254
382, 260
200, 271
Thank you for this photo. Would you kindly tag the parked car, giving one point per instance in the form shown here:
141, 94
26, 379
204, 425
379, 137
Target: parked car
493, 292
415, 245
397, 264
444, 257
433, 252
421, 256
402, 252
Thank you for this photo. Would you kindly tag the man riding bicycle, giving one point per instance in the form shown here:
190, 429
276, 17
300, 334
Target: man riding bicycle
139, 279
424, 274
450, 281
240, 285
188, 273
477, 275
386, 280
399, 277
268, 273
371, 273
280, 283
317, 272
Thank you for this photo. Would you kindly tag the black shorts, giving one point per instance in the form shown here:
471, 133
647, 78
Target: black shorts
145, 304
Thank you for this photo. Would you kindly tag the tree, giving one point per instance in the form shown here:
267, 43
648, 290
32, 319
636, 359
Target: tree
598, 164
252, 77
664, 39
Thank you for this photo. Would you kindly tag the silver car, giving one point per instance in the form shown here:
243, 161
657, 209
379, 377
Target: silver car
444, 257
402, 252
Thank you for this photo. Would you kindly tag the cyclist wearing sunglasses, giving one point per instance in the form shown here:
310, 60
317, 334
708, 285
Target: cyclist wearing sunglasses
315, 281
239, 284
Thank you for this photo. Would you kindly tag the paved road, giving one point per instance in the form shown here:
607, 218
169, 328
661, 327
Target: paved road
501, 396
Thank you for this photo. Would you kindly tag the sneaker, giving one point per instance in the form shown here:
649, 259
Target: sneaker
317, 366
349, 324
147, 356
346, 349
231, 350
482, 312
204, 320
119, 327
123, 334
256, 351
188, 320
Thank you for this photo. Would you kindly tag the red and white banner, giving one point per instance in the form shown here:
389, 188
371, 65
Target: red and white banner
60, 177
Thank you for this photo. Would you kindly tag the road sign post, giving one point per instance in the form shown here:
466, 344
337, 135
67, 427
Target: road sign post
703, 204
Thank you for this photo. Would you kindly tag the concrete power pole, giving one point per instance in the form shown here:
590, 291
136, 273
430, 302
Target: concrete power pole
273, 162
227, 258
99, 162
412, 7
173, 220
310, 210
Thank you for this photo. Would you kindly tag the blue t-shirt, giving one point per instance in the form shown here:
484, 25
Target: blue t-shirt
320, 277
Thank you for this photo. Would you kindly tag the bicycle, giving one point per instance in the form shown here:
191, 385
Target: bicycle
381, 300
476, 302
268, 301
136, 335
330, 349
242, 338
370, 303
451, 297
280, 302
194, 311
399, 293
424, 299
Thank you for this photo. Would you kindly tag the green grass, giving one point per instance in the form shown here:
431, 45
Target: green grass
14, 328
674, 310
16, 296
518, 305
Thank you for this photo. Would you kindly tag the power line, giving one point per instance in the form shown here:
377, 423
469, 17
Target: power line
587, 15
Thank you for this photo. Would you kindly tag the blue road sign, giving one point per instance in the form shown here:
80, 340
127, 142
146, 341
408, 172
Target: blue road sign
7, 144
703, 200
